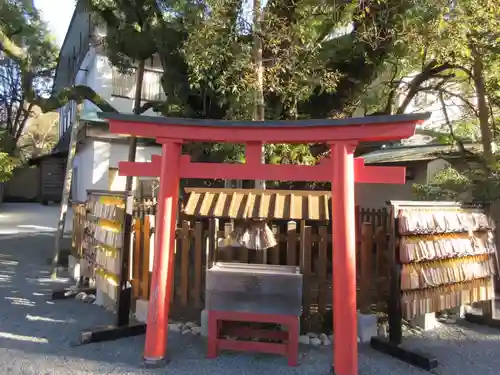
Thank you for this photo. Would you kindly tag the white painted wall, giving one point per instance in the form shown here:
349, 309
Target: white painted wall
82, 165
94, 159
100, 79
97, 73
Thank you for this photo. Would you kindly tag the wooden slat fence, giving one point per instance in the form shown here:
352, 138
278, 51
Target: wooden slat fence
79, 223
299, 243
304, 244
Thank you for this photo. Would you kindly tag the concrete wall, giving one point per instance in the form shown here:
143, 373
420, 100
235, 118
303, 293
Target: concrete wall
24, 185
375, 195
435, 166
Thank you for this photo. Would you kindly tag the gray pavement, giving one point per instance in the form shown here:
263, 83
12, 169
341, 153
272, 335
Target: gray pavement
31, 218
36, 335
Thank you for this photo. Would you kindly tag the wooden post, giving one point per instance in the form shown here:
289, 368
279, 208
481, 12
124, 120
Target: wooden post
68, 178
291, 243
366, 262
185, 263
163, 267
345, 356
212, 246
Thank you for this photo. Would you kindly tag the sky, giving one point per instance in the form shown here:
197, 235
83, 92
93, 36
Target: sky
57, 14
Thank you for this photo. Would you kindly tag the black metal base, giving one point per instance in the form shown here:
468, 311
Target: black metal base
417, 359
71, 293
484, 320
110, 333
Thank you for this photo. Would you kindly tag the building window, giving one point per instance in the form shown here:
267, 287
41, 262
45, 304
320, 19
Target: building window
124, 85
410, 174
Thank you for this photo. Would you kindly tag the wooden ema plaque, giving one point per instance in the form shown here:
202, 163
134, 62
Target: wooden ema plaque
443, 256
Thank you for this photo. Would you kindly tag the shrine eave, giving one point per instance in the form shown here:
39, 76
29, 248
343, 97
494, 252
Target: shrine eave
351, 121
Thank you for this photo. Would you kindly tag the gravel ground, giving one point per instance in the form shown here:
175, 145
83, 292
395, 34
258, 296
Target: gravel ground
36, 335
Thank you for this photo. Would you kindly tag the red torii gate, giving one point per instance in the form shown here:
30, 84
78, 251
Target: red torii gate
342, 169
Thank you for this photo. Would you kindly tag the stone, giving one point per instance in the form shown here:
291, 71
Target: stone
141, 310
315, 341
81, 296
304, 339
204, 323
74, 267
175, 327
324, 339
196, 330
367, 327
359, 339
89, 298
426, 321
330, 337
382, 330
190, 324
186, 331
312, 335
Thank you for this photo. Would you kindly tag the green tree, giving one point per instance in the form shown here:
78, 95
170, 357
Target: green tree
21, 23
24, 41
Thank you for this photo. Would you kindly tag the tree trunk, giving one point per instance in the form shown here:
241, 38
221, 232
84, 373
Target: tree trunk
132, 146
482, 105
259, 114
68, 178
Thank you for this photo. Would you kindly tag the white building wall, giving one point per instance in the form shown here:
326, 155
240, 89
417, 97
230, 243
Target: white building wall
83, 173
96, 72
100, 78
94, 160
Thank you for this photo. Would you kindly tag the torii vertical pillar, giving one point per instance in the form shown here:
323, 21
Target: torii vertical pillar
164, 254
345, 350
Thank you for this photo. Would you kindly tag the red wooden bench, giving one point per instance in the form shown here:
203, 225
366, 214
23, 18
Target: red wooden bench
226, 323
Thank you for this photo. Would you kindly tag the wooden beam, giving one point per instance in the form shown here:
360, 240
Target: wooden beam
286, 134
270, 172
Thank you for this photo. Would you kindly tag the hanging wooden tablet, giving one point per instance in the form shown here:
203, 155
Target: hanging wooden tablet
447, 256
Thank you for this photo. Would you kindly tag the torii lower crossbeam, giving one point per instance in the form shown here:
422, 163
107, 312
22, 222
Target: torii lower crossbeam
342, 170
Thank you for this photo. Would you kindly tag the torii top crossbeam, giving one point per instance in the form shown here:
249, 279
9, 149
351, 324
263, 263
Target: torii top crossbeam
253, 134
341, 169
361, 129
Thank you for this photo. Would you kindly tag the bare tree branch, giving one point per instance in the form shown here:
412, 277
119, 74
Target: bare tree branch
57, 100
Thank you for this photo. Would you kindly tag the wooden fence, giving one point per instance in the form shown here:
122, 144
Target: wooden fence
304, 244
299, 244
79, 223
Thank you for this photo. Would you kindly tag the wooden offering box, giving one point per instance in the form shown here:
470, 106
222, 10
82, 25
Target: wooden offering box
240, 293
254, 288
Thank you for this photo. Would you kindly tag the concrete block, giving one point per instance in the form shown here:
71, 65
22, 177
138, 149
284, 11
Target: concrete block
204, 323
426, 322
367, 327
460, 311
74, 268
104, 300
141, 310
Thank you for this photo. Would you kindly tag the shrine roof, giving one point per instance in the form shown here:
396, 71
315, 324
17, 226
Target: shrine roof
258, 204
368, 120
404, 154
